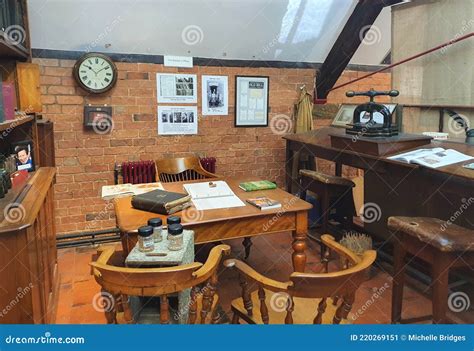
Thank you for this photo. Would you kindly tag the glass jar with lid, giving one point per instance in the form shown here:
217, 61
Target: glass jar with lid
175, 237
157, 225
169, 221
145, 239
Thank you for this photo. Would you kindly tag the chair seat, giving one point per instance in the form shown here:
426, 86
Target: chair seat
440, 234
326, 178
304, 309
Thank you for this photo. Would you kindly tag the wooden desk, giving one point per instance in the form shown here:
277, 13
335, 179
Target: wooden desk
398, 189
228, 223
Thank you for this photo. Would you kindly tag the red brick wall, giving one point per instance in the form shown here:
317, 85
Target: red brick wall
85, 160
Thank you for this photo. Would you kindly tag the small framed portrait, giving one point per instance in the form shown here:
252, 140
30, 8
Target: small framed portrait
23, 152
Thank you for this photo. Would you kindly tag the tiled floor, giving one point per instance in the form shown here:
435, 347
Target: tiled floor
270, 255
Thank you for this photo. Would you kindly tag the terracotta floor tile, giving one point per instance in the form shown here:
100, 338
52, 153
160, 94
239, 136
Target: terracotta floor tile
270, 255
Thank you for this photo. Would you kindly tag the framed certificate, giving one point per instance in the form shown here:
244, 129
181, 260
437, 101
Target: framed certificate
251, 101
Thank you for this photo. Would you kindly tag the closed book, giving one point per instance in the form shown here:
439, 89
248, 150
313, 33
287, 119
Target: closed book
264, 203
257, 185
159, 201
9, 100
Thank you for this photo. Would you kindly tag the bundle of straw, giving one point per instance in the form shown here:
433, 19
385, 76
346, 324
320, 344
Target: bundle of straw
356, 242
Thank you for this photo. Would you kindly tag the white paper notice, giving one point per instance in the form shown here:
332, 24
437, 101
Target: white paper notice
176, 120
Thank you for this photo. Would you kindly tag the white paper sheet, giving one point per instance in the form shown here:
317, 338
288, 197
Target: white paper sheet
217, 203
205, 197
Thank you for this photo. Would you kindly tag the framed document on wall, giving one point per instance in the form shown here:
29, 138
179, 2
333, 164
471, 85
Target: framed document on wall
251, 101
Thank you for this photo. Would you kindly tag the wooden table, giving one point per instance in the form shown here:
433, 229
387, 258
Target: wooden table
228, 223
396, 188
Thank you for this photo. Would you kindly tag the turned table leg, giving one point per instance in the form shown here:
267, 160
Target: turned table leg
439, 277
299, 241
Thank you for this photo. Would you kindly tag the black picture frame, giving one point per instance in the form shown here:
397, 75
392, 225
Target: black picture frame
18, 150
237, 122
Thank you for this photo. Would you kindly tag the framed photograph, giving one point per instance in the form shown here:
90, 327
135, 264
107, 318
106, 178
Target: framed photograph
176, 88
346, 113
251, 101
24, 158
177, 120
215, 96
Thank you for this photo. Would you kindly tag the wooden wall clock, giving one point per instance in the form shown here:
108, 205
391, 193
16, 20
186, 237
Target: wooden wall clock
95, 73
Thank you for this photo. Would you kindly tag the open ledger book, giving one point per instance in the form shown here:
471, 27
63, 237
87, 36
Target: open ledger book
433, 158
212, 195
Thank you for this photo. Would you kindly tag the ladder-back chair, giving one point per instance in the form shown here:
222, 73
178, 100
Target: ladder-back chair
306, 298
181, 169
119, 282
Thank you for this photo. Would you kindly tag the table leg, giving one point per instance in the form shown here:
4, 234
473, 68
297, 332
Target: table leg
288, 167
439, 277
299, 241
399, 266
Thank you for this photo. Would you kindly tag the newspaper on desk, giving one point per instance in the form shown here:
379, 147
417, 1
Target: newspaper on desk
212, 195
432, 158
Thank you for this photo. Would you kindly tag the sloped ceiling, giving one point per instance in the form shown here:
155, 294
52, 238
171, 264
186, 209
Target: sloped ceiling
282, 30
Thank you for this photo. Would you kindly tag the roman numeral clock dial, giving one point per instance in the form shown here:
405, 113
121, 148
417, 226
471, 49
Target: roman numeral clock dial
95, 73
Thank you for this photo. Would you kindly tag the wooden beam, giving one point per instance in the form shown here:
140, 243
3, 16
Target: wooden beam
364, 15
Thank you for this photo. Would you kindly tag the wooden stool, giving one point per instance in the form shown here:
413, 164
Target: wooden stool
334, 193
436, 242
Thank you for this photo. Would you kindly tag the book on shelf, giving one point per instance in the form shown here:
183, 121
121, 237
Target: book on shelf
9, 100
257, 185
110, 192
432, 158
161, 201
264, 203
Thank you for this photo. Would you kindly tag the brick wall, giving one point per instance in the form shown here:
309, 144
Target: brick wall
85, 160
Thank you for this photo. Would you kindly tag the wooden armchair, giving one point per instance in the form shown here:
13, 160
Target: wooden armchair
181, 169
119, 282
307, 298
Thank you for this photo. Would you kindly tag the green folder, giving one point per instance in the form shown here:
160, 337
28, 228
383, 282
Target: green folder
258, 185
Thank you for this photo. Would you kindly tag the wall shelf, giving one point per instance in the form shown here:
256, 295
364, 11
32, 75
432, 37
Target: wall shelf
15, 122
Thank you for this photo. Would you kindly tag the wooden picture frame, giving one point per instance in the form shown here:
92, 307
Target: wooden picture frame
251, 101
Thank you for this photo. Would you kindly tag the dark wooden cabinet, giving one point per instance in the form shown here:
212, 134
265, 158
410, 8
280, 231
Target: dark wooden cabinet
28, 257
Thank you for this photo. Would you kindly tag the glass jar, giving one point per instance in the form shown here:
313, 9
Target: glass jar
175, 237
157, 225
145, 239
169, 221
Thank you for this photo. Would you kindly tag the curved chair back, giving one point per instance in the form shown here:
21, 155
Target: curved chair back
181, 169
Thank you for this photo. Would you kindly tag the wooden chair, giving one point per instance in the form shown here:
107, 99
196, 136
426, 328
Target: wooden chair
307, 298
181, 169
334, 193
119, 282
436, 242
188, 168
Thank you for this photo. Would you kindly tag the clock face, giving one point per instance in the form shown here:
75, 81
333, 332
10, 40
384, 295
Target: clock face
95, 73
